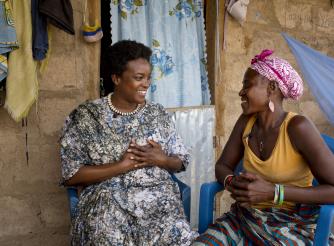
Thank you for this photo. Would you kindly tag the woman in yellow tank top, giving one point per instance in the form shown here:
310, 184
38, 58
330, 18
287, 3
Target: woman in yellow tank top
282, 152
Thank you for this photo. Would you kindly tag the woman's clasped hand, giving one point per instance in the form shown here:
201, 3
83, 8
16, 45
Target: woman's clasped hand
248, 188
150, 154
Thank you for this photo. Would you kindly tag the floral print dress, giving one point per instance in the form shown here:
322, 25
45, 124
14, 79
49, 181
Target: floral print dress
141, 207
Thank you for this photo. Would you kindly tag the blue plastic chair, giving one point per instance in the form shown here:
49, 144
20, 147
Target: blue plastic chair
209, 190
185, 191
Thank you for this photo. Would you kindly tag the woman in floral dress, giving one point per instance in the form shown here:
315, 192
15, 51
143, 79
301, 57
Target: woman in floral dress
121, 150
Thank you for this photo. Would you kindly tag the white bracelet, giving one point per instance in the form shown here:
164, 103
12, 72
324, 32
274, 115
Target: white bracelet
276, 197
230, 175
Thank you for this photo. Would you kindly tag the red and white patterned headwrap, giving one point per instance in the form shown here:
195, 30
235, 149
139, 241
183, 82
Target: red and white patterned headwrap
279, 70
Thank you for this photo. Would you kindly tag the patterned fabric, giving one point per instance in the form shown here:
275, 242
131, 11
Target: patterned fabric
267, 227
179, 76
141, 207
3, 67
8, 41
279, 70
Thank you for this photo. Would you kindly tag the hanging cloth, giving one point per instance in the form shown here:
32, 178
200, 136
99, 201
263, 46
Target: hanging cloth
40, 43
175, 32
3, 67
91, 33
8, 40
317, 70
238, 9
59, 12
22, 85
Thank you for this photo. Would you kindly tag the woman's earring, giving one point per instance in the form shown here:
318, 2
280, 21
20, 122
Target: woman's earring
271, 106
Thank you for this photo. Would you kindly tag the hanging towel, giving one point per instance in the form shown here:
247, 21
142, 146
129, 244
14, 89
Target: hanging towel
59, 12
22, 85
317, 70
40, 43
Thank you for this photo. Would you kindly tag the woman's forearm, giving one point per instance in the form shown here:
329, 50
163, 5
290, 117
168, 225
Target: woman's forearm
321, 194
221, 172
173, 164
88, 175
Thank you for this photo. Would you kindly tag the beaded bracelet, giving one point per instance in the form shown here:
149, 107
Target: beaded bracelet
228, 179
276, 196
281, 194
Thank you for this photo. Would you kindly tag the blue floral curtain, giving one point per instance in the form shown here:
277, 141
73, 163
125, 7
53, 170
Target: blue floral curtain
174, 29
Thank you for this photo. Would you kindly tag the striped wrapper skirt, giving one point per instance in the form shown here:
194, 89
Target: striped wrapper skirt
270, 226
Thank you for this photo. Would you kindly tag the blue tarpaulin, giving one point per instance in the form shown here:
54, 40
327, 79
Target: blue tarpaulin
318, 72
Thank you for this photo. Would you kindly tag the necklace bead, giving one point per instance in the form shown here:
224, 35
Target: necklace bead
114, 109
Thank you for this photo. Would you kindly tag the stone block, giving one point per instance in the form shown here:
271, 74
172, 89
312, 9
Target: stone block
219, 106
234, 37
264, 39
18, 216
316, 40
261, 12
307, 94
323, 3
324, 20
233, 74
55, 211
290, 105
279, 7
7, 124
312, 111
52, 113
232, 111
50, 238
57, 76
44, 168
41, 175
298, 16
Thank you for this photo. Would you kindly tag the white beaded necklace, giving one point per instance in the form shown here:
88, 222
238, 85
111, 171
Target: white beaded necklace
113, 108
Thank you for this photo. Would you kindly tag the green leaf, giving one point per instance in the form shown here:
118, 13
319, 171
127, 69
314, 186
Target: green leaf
138, 2
155, 43
178, 6
171, 13
124, 15
115, 2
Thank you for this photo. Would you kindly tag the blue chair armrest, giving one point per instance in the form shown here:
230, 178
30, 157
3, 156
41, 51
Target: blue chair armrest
324, 225
206, 204
185, 195
329, 141
73, 198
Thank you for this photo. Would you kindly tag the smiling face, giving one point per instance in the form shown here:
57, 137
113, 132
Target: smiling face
134, 82
254, 93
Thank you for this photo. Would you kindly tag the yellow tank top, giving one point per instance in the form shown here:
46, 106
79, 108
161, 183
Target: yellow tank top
284, 166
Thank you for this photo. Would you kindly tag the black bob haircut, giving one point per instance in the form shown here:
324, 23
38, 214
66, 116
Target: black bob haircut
115, 58
120, 53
